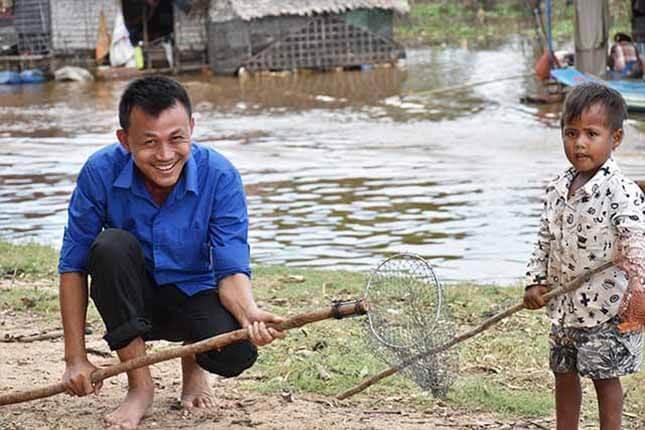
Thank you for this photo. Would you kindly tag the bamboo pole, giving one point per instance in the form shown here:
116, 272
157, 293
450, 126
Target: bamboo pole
576, 283
216, 342
468, 85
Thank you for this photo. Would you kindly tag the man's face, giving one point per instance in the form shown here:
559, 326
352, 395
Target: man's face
159, 146
588, 141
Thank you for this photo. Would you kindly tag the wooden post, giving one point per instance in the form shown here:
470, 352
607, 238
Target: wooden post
144, 17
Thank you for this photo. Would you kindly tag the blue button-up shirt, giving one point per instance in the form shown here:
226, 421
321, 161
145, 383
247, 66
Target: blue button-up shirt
195, 238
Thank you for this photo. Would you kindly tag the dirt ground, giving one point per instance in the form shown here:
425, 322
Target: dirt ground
25, 366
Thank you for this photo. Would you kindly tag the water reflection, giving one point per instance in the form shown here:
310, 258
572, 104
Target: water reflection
341, 169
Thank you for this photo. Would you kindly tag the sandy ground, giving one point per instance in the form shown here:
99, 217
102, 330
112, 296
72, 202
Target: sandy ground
25, 366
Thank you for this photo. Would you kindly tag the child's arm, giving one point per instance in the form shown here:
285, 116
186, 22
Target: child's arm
627, 215
537, 267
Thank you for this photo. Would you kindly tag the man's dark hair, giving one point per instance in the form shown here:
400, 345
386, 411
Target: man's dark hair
153, 95
584, 96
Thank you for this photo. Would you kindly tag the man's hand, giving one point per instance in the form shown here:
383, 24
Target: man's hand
77, 378
533, 296
235, 294
259, 333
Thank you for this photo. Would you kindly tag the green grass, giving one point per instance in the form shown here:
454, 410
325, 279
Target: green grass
27, 260
503, 370
37, 299
437, 22
472, 392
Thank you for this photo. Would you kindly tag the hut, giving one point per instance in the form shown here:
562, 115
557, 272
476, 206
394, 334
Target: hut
75, 24
32, 26
293, 34
68, 29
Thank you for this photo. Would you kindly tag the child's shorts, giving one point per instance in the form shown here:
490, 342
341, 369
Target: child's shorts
599, 352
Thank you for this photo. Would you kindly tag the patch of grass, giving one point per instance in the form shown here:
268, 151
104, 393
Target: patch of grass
42, 300
474, 393
19, 260
436, 22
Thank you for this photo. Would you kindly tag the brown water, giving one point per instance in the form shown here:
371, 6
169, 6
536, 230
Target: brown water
341, 169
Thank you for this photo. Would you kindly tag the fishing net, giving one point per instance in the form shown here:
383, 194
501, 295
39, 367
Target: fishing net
407, 317
425, 349
631, 251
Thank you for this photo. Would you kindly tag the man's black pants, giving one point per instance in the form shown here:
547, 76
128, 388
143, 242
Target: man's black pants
132, 305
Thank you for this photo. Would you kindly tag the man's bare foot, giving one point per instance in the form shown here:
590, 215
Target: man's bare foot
195, 392
128, 415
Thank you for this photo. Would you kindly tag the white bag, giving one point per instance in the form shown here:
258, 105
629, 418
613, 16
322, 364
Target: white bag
121, 50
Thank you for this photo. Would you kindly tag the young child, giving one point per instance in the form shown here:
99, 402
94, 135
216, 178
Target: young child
592, 214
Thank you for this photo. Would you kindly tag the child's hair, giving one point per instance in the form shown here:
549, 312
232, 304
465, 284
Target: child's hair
585, 95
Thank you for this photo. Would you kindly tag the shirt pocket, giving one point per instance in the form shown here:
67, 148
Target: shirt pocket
191, 249
594, 238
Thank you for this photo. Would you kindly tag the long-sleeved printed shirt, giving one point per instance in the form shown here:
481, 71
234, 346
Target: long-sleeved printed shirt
580, 233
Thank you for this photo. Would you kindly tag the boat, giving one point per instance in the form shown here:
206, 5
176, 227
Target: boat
633, 91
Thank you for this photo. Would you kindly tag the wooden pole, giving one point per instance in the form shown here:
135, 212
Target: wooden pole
468, 85
216, 342
144, 13
467, 335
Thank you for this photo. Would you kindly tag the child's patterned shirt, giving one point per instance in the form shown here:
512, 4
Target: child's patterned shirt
580, 233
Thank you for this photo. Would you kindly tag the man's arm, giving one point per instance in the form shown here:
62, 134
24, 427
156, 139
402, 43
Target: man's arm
73, 308
236, 296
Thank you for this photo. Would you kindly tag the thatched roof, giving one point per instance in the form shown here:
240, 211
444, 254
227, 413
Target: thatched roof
252, 9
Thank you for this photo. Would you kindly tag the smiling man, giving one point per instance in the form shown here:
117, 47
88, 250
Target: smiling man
160, 225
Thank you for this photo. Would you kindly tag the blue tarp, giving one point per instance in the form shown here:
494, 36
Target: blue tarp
33, 76
10, 78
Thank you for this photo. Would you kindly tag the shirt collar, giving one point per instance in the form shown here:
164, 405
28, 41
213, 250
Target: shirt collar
126, 176
607, 170
188, 179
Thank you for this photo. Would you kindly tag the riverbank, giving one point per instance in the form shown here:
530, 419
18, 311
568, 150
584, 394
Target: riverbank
502, 375
465, 23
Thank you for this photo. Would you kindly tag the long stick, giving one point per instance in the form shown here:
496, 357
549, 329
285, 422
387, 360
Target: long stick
468, 85
215, 342
576, 283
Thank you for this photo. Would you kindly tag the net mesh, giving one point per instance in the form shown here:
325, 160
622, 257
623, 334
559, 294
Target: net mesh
631, 251
406, 318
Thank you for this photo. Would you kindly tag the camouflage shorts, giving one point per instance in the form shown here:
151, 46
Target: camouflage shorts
599, 352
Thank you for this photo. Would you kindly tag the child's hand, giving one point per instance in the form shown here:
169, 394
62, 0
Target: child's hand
533, 296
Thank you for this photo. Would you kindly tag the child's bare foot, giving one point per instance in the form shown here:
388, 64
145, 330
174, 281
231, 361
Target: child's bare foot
195, 392
128, 415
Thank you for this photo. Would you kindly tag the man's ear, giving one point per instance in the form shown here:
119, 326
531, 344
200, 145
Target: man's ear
122, 135
617, 138
192, 125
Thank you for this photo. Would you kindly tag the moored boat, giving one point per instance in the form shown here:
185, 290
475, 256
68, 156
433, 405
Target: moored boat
633, 91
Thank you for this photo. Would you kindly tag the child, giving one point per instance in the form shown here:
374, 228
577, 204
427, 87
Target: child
592, 214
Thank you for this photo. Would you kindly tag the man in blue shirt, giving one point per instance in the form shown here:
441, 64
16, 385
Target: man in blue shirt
160, 225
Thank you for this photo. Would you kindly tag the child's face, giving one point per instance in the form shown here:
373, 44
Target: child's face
588, 140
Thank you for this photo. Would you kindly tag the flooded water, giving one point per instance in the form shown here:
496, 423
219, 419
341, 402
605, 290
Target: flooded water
342, 169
